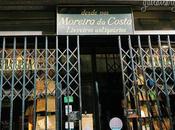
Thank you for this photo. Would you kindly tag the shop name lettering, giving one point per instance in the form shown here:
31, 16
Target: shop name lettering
110, 21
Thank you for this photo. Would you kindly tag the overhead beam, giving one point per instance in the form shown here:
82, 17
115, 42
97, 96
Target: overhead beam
58, 2
26, 7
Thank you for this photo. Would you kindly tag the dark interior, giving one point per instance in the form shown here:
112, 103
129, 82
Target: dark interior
102, 82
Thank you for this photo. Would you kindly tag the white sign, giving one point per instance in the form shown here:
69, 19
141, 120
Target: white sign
71, 125
68, 110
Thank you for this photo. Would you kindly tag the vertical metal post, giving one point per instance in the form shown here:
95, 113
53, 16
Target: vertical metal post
94, 75
58, 92
165, 83
172, 63
123, 78
35, 73
68, 71
46, 81
154, 78
98, 103
134, 78
12, 85
2, 65
23, 86
79, 79
171, 58
144, 75
58, 124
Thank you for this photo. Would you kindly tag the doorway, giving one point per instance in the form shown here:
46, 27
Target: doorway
102, 90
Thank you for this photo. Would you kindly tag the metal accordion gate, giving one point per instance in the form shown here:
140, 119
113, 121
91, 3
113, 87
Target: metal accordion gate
40, 84
148, 72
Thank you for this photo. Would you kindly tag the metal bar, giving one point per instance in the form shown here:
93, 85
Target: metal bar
171, 57
46, 80
67, 68
58, 91
2, 65
23, 87
154, 78
154, 32
12, 87
123, 79
94, 76
106, 59
172, 63
79, 79
135, 86
98, 102
165, 83
143, 71
35, 73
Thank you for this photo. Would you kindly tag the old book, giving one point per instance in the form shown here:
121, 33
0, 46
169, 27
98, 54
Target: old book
155, 110
144, 111
51, 122
41, 84
140, 79
50, 104
155, 125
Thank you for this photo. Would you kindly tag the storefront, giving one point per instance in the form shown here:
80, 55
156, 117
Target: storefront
77, 66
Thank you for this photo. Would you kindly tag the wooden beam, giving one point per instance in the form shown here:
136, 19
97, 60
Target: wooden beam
26, 7
67, 2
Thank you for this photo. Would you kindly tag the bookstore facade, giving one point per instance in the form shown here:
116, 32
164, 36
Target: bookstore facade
77, 66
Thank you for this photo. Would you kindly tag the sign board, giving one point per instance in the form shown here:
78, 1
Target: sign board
94, 21
69, 125
68, 99
87, 122
68, 109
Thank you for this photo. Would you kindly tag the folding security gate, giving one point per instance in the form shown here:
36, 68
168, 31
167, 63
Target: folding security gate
40, 83
148, 71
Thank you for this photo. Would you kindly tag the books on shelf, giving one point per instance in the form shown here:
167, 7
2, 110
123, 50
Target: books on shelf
144, 111
51, 122
40, 107
41, 84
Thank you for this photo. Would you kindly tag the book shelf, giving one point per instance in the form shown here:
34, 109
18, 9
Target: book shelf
148, 76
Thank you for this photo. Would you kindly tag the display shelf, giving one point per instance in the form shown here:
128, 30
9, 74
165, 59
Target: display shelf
148, 79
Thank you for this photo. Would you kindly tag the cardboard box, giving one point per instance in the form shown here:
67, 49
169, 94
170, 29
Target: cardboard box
50, 104
51, 122
40, 86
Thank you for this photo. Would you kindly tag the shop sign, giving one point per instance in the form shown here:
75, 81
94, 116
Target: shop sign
68, 99
68, 109
69, 125
94, 21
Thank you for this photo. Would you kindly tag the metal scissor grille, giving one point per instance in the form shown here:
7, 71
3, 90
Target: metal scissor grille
39, 77
148, 69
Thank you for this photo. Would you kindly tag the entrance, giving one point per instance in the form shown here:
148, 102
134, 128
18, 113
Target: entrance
102, 90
